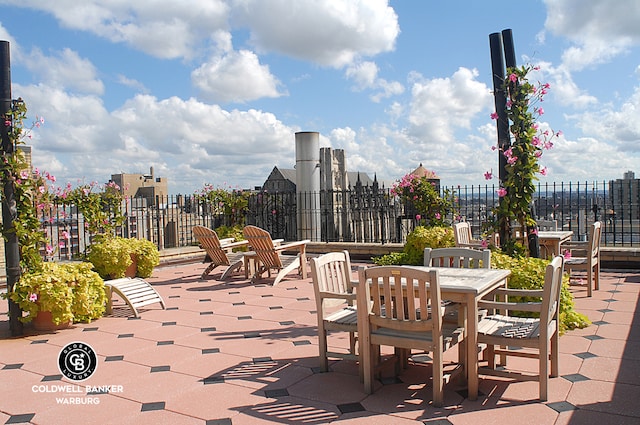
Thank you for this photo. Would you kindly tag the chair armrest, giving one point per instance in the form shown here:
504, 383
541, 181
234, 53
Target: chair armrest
234, 244
519, 292
300, 245
225, 241
498, 305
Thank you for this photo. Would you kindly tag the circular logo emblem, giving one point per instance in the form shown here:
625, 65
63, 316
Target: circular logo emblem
77, 361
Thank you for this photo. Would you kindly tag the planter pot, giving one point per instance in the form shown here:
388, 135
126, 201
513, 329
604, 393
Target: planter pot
133, 268
44, 322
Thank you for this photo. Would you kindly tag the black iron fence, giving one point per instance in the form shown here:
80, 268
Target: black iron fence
363, 215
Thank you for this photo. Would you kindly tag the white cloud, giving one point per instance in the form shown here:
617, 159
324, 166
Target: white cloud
65, 70
235, 77
601, 29
365, 75
162, 28
330, 33
441, 105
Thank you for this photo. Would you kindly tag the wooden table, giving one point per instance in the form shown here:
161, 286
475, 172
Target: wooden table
552, 240
467, 286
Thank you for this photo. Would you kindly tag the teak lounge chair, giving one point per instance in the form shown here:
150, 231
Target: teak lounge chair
219, 253
269, 255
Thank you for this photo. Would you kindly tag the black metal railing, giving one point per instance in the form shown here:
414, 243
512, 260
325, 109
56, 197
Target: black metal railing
364, 214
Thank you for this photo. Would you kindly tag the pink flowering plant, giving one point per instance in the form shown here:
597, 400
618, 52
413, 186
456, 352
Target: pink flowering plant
31, 190
421, 194
528, 143
231, 203
101, 206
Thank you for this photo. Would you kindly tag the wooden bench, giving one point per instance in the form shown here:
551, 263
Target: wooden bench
135, 292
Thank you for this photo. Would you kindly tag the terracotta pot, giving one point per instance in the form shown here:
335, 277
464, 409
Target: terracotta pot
133, 268
44, 322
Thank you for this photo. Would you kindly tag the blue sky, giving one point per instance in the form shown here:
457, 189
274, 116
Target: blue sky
211, 91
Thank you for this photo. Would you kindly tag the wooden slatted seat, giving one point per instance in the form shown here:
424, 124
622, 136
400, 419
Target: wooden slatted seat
135, 292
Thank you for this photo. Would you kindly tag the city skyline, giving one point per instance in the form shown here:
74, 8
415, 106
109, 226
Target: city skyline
214, 91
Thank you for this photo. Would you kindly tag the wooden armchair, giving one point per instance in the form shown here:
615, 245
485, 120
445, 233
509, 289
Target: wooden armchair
540, 334
589, 261
219, 252
332, 285
270, 255
393, 302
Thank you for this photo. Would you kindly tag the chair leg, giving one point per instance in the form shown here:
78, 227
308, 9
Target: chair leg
597, 276
367, 367
438, 379
555, 356
208, 270
544, 371
322, 346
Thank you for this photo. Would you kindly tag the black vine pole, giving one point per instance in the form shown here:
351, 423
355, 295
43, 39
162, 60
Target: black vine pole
510, 62
502, 123
9, 210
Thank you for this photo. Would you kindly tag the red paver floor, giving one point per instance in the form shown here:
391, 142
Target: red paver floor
235, 353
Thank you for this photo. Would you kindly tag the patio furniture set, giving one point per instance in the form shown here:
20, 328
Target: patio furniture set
394, 306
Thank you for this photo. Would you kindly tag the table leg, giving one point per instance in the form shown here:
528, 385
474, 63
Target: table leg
472, 346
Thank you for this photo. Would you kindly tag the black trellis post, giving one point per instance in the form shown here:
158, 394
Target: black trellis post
9, 209
502, 123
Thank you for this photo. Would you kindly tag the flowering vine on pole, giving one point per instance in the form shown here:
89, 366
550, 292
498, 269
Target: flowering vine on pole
528, 142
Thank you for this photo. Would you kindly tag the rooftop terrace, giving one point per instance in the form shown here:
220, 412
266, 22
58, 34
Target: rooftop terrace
236, 353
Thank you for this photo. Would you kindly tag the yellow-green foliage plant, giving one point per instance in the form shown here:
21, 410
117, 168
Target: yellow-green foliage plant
419, 239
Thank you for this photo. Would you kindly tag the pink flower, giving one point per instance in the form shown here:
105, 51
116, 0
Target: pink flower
501, 192
488, 175
513, 78
567, 254
543, 171
66, 234
512, 160
494, 116
540, 111
33, 297
49, 249
418, 217
484, 243
437, 216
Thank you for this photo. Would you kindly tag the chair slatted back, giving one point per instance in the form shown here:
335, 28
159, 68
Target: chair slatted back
331, 273
210, 242
462, 233
400, 298
595, 234
551, 294
262, 244
457, 257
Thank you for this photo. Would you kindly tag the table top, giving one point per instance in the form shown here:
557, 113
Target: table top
555, 234
462, 280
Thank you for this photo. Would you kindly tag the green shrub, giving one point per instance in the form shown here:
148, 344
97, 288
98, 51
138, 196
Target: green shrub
419, 239
111, 256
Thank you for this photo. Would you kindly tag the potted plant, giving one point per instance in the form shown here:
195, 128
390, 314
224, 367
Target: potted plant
58, 294
112, 256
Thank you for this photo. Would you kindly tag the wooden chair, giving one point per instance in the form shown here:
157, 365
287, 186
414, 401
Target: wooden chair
270, 256
219, 251
457, 257
541, 334
390, 314
464, 238
332, 285
590, 262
